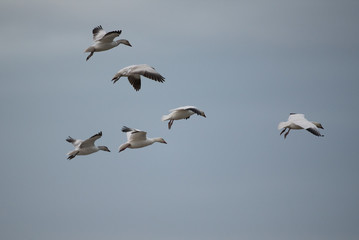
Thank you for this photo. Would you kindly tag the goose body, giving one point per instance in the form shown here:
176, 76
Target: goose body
298, 121
181, 113
134, 73
85, 147
137, 139
104, 41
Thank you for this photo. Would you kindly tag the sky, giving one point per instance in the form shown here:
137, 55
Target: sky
246, 64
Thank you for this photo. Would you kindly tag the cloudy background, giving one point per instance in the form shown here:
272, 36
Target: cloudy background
246, 64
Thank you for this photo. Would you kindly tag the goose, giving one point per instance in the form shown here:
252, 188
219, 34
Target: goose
298, 121
134, 72
104, 41
137, 139
181, 113
85, 147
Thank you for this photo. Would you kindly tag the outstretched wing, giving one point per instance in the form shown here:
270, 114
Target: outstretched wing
296, 116
108, 37
135, 81
148, 72
98, 33
134, 134
192, 108
91, 141
75, 142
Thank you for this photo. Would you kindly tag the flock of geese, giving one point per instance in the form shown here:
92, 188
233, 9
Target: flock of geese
136, 138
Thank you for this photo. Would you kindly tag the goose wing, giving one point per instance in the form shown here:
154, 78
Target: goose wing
134, 134
148, 72
194, 109
98, 33
135, 81
110, 36
294, 116
314, 131
186, 108
181, 108
91, 141
75, 142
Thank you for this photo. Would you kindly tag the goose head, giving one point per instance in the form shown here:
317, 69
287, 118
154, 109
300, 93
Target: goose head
104, 148
319, 125
160, 140
123, 41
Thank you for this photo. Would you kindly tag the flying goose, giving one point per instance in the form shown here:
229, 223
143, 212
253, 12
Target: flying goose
104, 41
137, 139
181, 113
134, 73
85, 147
298, 121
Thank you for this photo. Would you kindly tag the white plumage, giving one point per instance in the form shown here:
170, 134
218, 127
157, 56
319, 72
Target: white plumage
104, 41
298, 121
181, 113
137, 139
85, 147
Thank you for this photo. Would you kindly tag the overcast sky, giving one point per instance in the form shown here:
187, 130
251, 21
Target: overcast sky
246, 64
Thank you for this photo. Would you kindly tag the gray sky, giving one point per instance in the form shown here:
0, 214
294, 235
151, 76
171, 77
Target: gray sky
246, 64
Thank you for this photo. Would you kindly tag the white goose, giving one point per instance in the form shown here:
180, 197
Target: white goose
85, 147
134, 73
137, 139
181, 113
104, 41
298, 121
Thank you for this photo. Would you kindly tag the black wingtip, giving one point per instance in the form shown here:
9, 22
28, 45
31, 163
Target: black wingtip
126, 129
97, 134
96, 29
